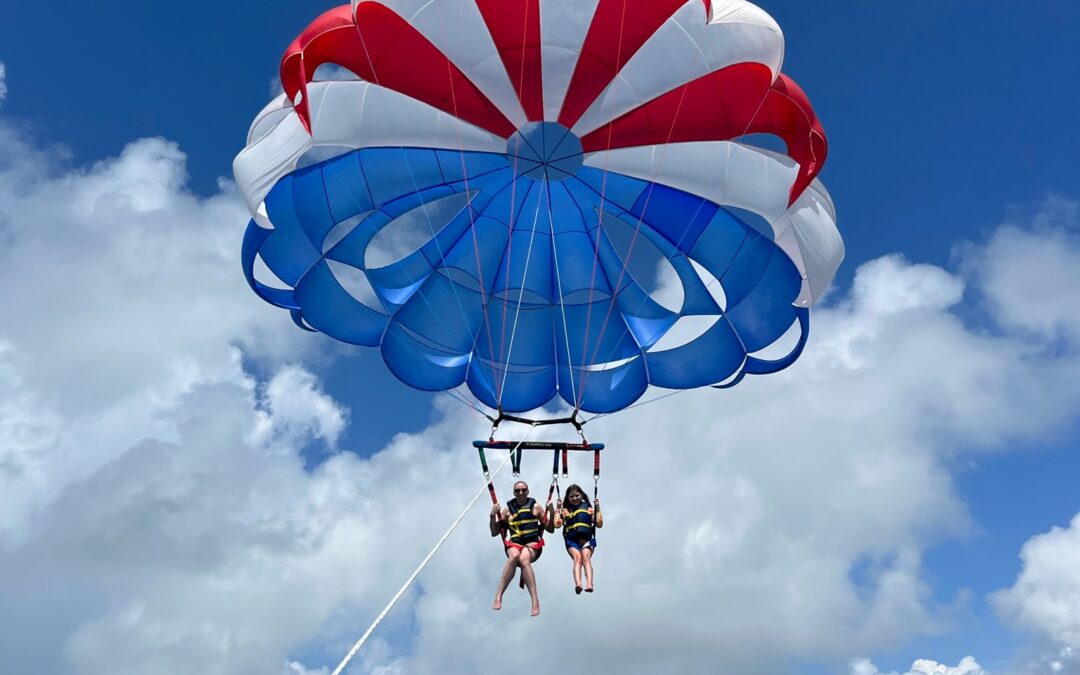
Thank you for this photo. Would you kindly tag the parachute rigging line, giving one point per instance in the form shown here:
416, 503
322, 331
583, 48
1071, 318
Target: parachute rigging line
521, 293
423, 206
408, 582
510, 224
579, 399
638, 404
633, 240
562, 302
484, 299
435, 238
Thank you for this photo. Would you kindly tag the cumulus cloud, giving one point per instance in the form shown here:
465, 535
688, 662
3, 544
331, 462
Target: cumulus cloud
1024, 301
967, 666
294, 410
156, 515
121, 295
1046, 596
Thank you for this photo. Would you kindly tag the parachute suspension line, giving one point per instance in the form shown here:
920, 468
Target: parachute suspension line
504, 356
438, 246
438, 316
464, 401
508, 255
656, 281
715, 280
596, 244
633, 240
408, 582
484, 297
521, 292
468, 195
442, 257
562, 303
638, 404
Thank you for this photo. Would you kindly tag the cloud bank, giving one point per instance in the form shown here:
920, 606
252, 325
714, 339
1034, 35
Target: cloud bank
967, 666
156, 516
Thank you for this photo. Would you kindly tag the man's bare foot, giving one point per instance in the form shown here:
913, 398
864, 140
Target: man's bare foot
497, 605
535, 610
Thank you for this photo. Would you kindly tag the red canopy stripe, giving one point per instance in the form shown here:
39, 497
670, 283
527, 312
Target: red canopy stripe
383, 48
723, 105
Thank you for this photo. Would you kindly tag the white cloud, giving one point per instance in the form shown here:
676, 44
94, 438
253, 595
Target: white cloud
156, 517
121, 294
1046, 595
297, 668
3, 81
295, 410
967, 666
1026, 301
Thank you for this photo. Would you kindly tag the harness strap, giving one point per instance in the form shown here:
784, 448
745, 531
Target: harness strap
596, 487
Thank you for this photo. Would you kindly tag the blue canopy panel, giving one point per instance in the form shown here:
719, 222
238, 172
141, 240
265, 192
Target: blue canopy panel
521, 293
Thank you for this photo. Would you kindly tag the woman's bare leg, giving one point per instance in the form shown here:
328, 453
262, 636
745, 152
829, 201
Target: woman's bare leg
576, 556
586, 557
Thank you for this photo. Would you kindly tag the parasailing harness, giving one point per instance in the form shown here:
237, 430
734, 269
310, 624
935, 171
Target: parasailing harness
560, 451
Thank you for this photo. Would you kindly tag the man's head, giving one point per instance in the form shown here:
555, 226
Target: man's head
521, 490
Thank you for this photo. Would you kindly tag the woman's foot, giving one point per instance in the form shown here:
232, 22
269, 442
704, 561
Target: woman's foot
588, 589
577, 589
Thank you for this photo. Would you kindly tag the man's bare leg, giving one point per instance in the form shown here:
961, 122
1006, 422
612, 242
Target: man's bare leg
525, 559
506, 576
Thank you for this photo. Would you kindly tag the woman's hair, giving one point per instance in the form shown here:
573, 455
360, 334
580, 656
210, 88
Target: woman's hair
574, 488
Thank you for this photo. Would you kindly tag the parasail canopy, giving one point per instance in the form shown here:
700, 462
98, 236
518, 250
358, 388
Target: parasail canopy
479, 198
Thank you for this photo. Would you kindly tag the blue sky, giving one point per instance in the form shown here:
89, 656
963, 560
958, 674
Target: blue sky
951, 128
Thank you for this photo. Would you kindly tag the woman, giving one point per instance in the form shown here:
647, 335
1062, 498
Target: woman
579, 521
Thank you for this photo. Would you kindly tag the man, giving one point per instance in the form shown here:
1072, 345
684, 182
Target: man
522, 519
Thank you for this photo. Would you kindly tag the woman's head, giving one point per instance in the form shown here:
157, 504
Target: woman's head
575, 497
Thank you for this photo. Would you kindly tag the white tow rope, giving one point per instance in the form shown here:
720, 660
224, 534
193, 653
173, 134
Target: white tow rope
401, 591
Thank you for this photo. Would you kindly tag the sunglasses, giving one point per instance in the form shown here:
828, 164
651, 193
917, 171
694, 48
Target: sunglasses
520, 491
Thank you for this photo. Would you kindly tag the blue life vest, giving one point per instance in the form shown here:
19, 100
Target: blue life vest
579, 524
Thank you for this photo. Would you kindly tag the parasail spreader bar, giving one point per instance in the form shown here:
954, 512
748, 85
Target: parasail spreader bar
537, 445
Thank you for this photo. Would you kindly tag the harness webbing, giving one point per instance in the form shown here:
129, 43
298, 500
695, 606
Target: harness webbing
596, 488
